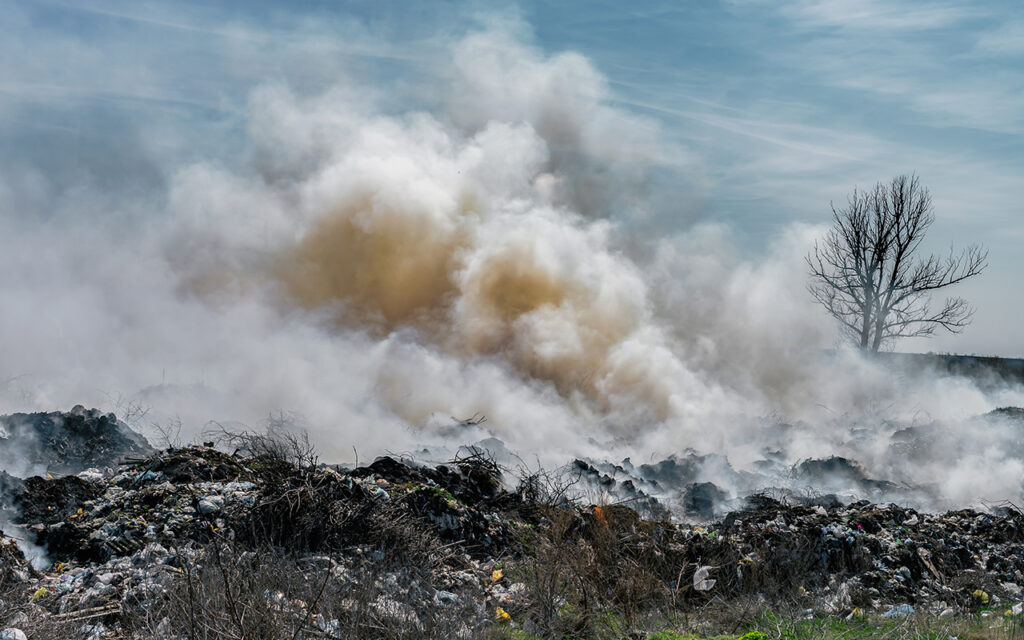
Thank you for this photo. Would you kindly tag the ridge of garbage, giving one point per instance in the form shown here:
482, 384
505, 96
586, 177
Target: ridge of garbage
457, 536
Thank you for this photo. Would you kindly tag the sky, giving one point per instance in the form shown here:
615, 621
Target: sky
768, 111
789, 105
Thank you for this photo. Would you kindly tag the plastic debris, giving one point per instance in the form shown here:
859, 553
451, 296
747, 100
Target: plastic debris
899, 611
701, 582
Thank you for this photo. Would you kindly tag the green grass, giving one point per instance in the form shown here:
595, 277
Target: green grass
766, 625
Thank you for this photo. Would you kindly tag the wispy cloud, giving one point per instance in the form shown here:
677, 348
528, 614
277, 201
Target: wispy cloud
146, 13
918, 57
1005, 40
873, 15
809, 140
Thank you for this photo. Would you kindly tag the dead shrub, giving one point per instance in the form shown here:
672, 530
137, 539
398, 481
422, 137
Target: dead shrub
228, 592
583, 562
282, 443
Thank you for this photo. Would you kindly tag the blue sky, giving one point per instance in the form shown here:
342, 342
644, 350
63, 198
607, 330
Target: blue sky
791, 104
771, 109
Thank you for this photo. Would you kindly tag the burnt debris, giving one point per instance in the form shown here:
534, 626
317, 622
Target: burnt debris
397, 544
65, 442
108, 538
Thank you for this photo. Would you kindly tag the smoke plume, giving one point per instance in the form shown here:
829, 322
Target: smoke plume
377, 271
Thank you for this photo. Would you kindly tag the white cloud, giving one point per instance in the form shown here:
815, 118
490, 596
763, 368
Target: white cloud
1007, 39
873, 15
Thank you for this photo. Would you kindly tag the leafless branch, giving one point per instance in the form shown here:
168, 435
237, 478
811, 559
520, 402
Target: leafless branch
868, 276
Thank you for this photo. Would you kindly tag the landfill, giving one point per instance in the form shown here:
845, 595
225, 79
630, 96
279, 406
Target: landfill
134, 546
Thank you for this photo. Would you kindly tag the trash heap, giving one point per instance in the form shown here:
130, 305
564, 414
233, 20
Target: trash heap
65, 442
692, 485
118, 543
14, 569
136, 549
874, 556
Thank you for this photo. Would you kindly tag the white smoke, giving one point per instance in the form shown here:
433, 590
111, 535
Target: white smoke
377, 272
35, 554
17, 459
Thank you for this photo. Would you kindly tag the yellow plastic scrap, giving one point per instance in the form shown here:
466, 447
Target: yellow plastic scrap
41, 592
75, 515
502, 615
980, 596
496, 575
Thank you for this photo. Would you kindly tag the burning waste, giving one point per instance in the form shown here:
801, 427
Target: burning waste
668, 424
169, 543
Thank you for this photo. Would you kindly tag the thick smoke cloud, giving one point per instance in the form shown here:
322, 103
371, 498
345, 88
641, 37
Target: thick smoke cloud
460, 230
374, 272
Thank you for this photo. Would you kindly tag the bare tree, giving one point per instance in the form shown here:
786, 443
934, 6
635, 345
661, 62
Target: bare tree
867, 274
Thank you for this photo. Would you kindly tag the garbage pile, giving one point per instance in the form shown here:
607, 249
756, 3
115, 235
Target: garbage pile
704, 487
65, 442
692, 486
118, 543
135, 549
14, 568
876, 556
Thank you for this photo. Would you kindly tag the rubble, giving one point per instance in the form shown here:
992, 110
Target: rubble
14, 568
402, 545
61, 443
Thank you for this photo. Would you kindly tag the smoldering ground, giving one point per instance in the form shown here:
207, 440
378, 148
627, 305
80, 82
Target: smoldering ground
375, 270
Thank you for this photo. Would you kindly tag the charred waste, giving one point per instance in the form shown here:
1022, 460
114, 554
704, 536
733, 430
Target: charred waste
257, 538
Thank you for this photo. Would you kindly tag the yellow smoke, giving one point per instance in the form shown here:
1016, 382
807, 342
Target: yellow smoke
386, 267
539, 292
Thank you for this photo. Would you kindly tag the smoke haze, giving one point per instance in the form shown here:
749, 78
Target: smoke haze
374, 271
